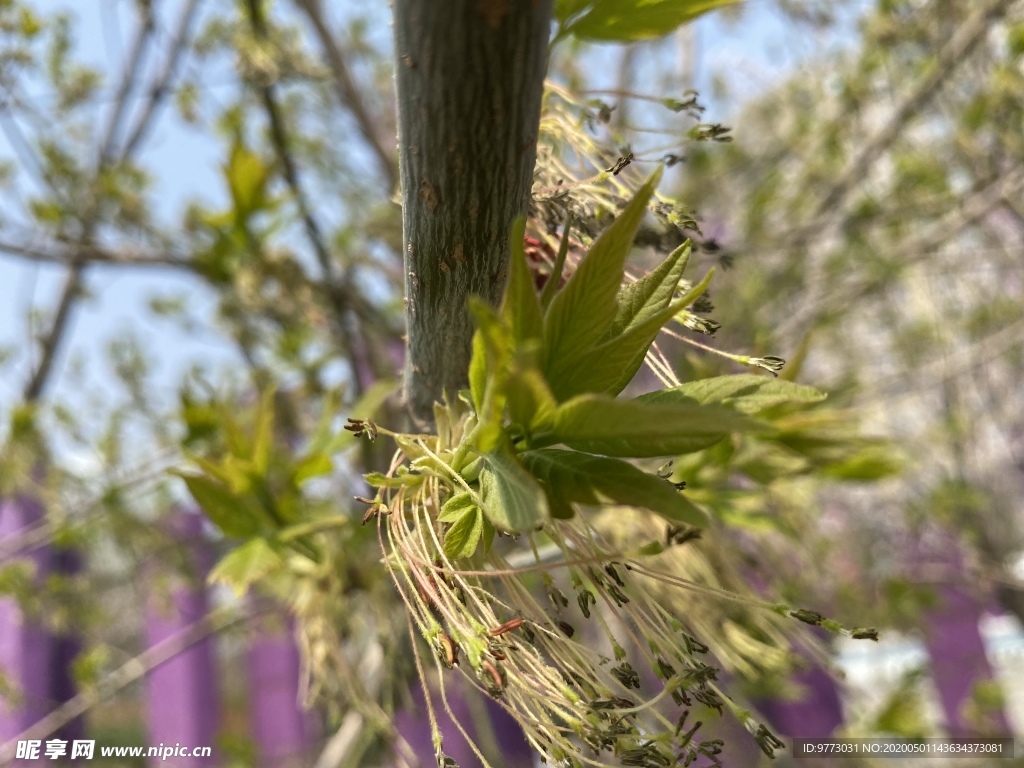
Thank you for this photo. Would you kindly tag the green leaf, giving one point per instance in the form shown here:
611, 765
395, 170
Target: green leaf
380, 480
649, 295
551, 286
410, 445
496, 343
513, 500
247, 179
765, 462
634, 20
227, 512
456, 507
583, 310
478, 370
612, 365
487, 537
263, 434
632, 428
520, 307
651, 549
587, 479
559, 507
463, 537
745, 392
564, 9
314, 465
245, 565
869, 463
531, 405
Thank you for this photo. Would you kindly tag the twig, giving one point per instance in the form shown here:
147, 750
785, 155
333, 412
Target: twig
282, 147
971, 210
969, 35
70, 292
347, 308
161, 85
16, 138
93, 255
76, 273
947, 367
146, 28
79, 260
348, 94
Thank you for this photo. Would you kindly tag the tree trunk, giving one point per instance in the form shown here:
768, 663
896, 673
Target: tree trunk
469, 76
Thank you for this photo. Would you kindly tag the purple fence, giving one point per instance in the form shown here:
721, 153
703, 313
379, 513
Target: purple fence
34, 660
817, 711
284, 732
26, 650
959, 665
182, 697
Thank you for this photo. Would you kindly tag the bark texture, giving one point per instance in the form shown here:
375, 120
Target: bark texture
470, 77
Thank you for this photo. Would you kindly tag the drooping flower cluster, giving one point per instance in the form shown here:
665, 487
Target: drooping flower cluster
546, 634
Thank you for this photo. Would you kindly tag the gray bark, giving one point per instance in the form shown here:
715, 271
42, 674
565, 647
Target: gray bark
469, 76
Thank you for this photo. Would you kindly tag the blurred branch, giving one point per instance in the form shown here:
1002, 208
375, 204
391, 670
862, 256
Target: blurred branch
73, 282
147, 26
624, 83
161, 86
128, 673
967, 37
338, 296
93, 255
282, 147
79, 259
16, 138
348, 94
947, 367
70, 292
970, 211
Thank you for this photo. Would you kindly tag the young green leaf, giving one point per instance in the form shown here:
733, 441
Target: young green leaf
582, 311
745, 392
560, 508
650, 294
313, 465
632, 428
513, 500
380, 480
520, 307
531, 406
587, 479
243, 566
564, 9
456, 507
551, 286
634, 20
247, 177
227, 512
496, 347
612, 365
478, 370
463, 537
872, 462
263, 434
